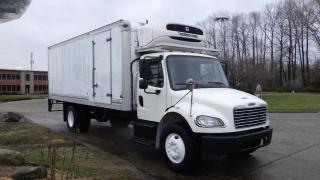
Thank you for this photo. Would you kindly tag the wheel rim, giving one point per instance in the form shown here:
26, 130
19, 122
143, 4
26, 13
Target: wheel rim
175, 148
70, 119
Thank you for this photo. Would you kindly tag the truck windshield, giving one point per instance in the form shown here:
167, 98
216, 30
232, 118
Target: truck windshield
206, 72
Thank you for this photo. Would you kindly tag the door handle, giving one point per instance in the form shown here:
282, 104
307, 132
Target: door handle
156, 92
141, 101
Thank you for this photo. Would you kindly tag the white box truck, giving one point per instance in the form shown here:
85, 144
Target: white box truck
163, 80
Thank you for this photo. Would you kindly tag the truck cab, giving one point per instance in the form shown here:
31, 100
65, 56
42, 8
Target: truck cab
207, 117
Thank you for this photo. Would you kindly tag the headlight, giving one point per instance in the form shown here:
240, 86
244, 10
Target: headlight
208, 122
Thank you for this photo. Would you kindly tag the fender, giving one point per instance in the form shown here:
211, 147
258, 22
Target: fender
182, 110
164, 121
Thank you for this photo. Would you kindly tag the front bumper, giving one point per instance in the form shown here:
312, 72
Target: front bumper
230, 143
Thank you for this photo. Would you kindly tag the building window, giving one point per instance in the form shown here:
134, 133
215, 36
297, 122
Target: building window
14, 88
3, 76
18, 76
35, 77
40, 88
35, 88
3, 88
27, 77
18, 88
8, 76
9, 88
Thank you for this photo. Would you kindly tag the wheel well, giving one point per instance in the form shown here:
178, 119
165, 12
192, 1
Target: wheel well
170, 118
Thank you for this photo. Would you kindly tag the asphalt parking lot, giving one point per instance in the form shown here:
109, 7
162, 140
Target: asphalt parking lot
293, 154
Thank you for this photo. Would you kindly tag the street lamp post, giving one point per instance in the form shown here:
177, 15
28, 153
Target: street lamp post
222, 21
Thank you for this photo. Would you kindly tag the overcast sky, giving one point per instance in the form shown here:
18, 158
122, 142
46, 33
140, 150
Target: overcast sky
47, 22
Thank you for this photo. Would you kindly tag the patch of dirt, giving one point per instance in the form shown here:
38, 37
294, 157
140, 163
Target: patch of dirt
5, 172
40, 146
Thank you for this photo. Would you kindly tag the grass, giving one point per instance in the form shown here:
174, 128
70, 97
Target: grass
7, 98
36, 144
289, 102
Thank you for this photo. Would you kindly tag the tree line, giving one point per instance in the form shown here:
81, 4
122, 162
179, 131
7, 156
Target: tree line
276, 47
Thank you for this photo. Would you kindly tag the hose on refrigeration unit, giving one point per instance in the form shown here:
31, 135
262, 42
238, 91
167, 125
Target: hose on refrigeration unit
131, 71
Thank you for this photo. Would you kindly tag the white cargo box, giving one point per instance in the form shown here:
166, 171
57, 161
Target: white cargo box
93, 68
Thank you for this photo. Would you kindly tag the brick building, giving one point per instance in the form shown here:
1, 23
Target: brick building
23, 82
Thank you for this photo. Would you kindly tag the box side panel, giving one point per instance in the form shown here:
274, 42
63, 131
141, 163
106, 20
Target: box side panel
72, 69
69, 69
117, 55
128, 47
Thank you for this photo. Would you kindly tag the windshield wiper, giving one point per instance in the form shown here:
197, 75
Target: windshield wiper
218, 83
197, 85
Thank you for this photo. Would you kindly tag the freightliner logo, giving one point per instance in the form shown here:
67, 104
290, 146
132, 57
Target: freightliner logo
188, 35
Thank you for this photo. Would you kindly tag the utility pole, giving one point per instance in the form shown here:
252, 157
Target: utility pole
31, 61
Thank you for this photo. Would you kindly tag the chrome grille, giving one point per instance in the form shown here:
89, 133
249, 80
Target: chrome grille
248, 117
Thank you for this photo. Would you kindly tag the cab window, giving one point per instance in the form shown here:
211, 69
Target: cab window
155, 74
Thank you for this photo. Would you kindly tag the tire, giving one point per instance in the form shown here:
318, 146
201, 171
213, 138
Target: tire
72, 119
180, 150
119, 122
77, 120
85, 121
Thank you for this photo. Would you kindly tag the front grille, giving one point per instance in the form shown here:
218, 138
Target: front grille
248, 117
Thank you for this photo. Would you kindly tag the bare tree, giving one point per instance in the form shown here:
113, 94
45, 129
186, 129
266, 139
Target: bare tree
270, 47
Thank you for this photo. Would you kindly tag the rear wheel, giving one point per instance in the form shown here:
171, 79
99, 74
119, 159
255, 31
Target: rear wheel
85, 120
179, 149
72, 119
77, 119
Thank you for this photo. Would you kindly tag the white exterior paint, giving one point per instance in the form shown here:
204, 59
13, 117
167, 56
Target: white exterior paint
213, 102
72, 76
92, 68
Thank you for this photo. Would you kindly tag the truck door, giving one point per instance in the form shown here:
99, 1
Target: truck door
101, 72
151, 106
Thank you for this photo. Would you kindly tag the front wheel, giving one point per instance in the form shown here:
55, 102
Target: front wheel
179, 149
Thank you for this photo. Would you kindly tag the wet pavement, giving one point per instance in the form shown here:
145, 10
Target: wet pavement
294, 152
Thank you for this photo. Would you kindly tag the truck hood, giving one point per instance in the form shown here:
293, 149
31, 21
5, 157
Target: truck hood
224, 98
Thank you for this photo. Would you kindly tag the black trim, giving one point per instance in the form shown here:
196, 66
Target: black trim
229, 143
145, 129
185, 39
184, 28
131, 74
168, 68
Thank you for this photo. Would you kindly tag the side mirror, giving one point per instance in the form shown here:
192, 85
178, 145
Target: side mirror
143, 84
190, 83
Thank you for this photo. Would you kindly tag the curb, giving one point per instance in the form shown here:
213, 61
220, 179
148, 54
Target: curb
294, 111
